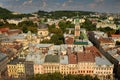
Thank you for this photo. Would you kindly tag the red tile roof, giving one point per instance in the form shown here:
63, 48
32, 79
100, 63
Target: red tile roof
115, 35
105, 40
69, 40
94, 51
85, 57
72, 59
14, 32
3, 30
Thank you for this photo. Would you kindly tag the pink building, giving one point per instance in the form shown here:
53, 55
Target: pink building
38, 69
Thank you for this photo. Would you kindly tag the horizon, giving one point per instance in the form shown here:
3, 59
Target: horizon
30, 6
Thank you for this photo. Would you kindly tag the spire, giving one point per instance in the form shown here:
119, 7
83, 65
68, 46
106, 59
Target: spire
77, 19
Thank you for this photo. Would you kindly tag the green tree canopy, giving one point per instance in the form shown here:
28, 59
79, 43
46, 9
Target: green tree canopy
58, 76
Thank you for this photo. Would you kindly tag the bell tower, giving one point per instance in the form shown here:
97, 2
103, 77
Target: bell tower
77, 27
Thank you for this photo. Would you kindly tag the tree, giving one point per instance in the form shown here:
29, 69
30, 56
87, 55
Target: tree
69, 77
88, 25
58, 76
57, 39
65, 24
1, 23
80, 77
88, 77
24, 29
28, 26
96, 78
117, 43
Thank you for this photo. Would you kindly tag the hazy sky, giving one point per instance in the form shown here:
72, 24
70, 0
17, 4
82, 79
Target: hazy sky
26, 6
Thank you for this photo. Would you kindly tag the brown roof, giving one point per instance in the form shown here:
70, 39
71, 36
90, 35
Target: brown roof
72, 59
85, 57
105, 40
115, 35
69, 40
94, 51
3, 30
14, 31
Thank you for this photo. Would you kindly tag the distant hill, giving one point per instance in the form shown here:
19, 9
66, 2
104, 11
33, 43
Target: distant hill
6, 14
59, 14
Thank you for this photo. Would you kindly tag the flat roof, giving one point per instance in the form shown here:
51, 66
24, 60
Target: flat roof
102, 61
43, 45
118, 57
81, 43
16, 61
52, 59
64, 59
37, 57
19, 36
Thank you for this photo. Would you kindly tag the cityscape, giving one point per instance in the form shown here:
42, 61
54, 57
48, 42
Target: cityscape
61, 44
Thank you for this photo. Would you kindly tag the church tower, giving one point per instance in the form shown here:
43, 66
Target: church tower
77, 27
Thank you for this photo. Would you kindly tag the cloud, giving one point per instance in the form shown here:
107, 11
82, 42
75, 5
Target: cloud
66, 3
70, 1
99, 1
17, 0
44, 4
27, 2
92, 5
1, 5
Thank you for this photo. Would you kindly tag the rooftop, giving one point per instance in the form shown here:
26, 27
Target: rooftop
115, 35
94, 51
43, 45
81, 43
19, 36
72, 58
52, 58
105, 40
42, 26
102, 61
2, 56
64, 59
85, 57
37, 57
69, 40
16, 61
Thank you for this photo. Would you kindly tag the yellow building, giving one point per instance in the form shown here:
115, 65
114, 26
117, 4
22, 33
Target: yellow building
86, 63
16, 69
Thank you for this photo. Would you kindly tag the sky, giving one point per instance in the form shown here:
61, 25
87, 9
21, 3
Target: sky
29, 6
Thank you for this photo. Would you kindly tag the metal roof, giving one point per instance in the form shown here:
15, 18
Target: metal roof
81, 43
102, 61
2, 56
64, 59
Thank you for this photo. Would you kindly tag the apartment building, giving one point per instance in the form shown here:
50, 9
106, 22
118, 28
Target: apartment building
16, 69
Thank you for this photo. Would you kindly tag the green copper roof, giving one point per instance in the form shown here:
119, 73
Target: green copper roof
81, 43
77, 19
52, 58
